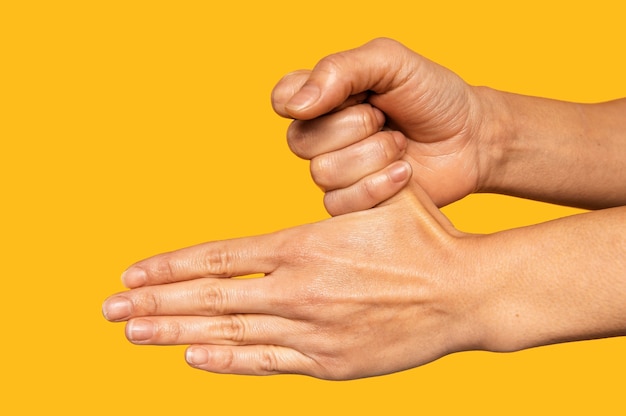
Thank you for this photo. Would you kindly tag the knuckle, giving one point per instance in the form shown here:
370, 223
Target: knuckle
302, 246
268, 360
307, 245
172, 332
383, 147
386, 44
367, 121
224, 360
216, 261
234, 329
332, 63
371, 191
164, 269
147, 303
212, 299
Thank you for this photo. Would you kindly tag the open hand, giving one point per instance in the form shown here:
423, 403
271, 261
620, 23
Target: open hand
358, 295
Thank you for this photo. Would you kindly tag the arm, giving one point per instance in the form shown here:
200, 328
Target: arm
460, 139
564, 280
379, 291
554, 151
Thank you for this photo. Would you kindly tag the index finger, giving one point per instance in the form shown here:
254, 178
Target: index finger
228, 258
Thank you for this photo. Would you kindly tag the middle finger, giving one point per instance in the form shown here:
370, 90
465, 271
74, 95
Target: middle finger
235, 329
310, 138
200, 297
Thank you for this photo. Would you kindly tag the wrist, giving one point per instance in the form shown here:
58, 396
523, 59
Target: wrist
470, 296
494, 129
541, 284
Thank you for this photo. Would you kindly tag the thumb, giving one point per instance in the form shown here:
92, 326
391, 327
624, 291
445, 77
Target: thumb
376, 66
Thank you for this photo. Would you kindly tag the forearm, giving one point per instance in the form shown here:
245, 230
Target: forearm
564, 280
554, 151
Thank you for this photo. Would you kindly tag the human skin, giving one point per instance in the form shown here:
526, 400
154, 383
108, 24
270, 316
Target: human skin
379, 111
379, 291
382, 290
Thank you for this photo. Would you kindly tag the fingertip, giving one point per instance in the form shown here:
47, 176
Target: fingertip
117, 308
334, 205
303, 100
370, 191
286, 88
400, 139
134, 277
196, 356
399, 172
380, 117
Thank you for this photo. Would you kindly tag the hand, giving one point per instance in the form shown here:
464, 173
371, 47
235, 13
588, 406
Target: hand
359, 295
343, 104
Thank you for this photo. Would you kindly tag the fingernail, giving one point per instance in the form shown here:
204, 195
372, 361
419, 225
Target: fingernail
134, 277
399, 172
139, 330
306, 97
196, 356
116, 308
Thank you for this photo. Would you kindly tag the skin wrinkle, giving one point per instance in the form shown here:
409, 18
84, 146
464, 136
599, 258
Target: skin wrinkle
397, 286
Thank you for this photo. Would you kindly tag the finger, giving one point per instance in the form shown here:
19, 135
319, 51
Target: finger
291, 83
201, 297
250, 360
228, 258
345, 167
235, 329
334, 131
286, 88
369, 191
339, 76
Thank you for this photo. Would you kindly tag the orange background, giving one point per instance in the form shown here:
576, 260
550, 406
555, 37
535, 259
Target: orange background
131, 128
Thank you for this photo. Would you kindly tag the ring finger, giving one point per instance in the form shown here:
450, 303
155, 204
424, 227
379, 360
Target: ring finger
235, 329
